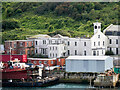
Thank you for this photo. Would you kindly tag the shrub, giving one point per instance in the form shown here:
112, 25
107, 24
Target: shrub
109, 53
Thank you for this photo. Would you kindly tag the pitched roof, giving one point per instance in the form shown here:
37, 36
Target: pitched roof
39, 36
112, 28
60, 36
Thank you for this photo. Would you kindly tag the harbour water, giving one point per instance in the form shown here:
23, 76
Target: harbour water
60, 85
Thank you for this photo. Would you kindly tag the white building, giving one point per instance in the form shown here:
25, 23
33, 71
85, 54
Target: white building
41, 43
92, 64
56, 50
113, 34
97, 45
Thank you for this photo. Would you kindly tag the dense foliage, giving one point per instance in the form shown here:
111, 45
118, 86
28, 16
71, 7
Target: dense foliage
21, 19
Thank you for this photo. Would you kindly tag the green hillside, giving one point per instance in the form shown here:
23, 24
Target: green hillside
72, 19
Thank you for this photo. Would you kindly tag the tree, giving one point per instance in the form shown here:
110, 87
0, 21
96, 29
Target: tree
10, 24
50, 28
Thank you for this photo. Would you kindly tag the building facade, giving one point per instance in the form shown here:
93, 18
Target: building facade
62, 46
19, 47
113, 34
88, 64
44, 61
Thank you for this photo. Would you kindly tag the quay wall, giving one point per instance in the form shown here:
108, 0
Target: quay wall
74, 77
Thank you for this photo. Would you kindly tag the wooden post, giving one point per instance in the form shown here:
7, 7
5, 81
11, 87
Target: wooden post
90, 81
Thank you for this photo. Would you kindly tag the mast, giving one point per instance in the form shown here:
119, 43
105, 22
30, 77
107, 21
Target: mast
10, 53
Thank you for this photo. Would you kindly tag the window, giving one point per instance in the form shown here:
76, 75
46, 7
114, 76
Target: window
103, 43
45, 62
95, 27
51, 62
85, 53
56, 55
94, 43
110, 41
29, 61
8, 52
84, 43
75, 52
21, 43
97, 53
10, 44
50, 54
75, 43
102, 51
36, 42
40, 62
98, 36
32, 43
36, 51
116, 41
50, 48
49, 41
44, 41
98, 43
63, 54
64, 48
94, 53
56, 48
28, 51
108, 33
27, 43
43, 51
98, 27
53, 48
53, 54
23, 52
14, 45
34, 62
68, 52
117, 51
68, 43
110, 49
32, 52
59, 59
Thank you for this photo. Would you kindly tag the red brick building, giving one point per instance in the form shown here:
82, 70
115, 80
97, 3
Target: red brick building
44, 61
19, 47
61, 61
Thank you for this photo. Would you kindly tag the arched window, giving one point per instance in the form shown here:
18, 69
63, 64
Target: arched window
95, 27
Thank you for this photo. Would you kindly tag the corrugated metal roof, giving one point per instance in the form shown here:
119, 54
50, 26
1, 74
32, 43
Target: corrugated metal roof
87, 57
